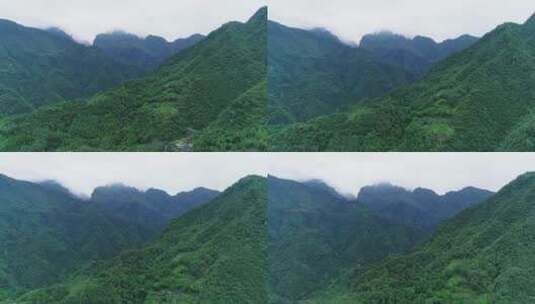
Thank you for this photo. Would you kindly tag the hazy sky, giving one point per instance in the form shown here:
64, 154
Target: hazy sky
167, 18
172, 172
348, 172
350, 19
441, 172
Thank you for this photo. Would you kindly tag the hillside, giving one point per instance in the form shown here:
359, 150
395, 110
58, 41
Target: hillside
416, 55
158, 112
313, 73
475, 100
46, 233
483, 255
316, 235
40, 67
146, 53
420, 208
151, 209
213, 254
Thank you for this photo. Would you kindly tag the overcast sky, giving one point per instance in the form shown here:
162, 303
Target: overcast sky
347, 172
172, 172
441, 172
350, 19
167, 18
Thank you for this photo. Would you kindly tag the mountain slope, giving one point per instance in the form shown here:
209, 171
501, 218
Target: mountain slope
420, 208
151, 209
312, 73
156, 112
39, 67
316, 235
240, 127
415, 55
146, 53
483, 255
470, 101
213, 254
46, 233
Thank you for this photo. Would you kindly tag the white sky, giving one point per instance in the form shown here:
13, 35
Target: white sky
172, 172
442, 172
350, 19
172, 19
347, 172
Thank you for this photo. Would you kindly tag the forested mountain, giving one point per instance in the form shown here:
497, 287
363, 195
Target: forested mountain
213, 254
486, 254
160, 111
315, 235
421, 208
40, 67
151, 209
146, 53
415, 55
479, 99
47, 233
313, 73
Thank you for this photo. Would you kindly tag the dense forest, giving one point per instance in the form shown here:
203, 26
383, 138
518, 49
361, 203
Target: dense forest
477, 99
221, 76
263, 240
483, 255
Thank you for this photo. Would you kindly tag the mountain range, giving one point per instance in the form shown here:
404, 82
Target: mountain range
482, 255
269, 240
47, 232
146, 53
165, 109
312, 72
478, 99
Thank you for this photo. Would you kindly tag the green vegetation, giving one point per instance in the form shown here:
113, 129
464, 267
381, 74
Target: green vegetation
160, 111
46, 233
316, 235
213, 254
146, 53
476, 100
40, 67
483, 255
313, 73
240, 127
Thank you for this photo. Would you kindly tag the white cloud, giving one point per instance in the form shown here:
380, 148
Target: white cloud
350, 19
348, 172
168, 18
441, 172
173, 172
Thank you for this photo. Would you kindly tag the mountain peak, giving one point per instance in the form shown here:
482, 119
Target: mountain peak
260, 15
530, 21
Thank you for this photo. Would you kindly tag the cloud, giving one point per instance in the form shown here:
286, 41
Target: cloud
350, 19
168, 18
347, 172
172, 172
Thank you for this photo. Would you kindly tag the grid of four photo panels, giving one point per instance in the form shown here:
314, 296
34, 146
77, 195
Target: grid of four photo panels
267, 151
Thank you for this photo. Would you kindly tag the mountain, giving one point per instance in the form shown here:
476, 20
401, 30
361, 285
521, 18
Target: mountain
40, 67
159, 112
316, 235
151, 209
483, 255
478, 99
415, 55
146, 53
240, 127
421, 208
46, 233
313, 73
213, 254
